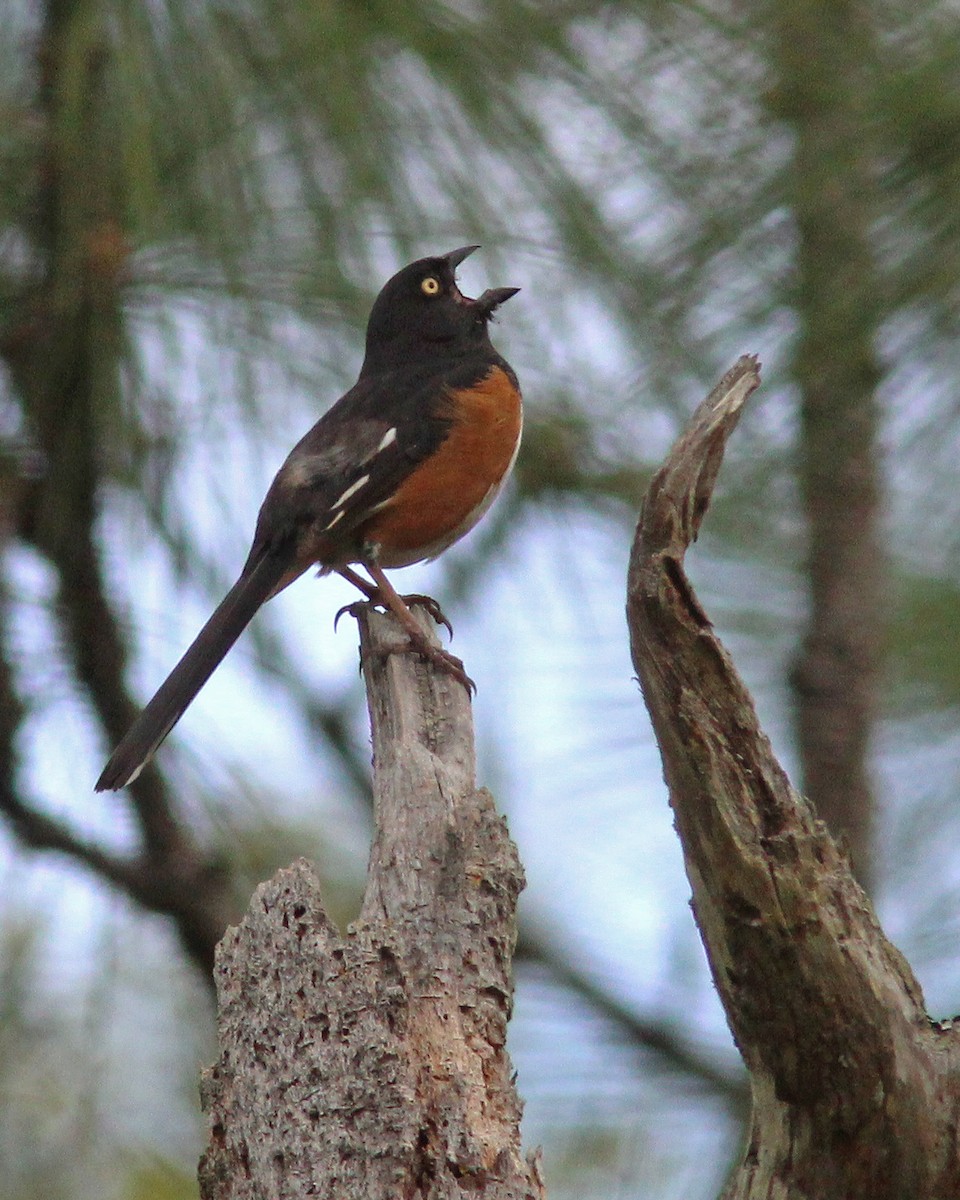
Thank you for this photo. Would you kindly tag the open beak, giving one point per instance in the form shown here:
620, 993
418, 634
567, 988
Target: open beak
492, 298
456, 257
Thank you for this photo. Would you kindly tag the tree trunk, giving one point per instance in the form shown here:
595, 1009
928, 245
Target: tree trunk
824, 55
372, 1064
856, 1093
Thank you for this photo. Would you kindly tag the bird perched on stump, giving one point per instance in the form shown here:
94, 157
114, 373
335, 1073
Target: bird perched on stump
401, 467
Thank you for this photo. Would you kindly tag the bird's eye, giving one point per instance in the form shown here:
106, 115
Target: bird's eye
430, 286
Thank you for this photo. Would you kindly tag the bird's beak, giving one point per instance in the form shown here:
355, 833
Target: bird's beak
456, 257
492, 298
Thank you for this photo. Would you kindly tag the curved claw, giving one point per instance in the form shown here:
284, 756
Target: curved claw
432, 607
460, 675
448, 663
351, 609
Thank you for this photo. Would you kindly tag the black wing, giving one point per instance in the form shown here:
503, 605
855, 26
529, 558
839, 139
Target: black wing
357, 455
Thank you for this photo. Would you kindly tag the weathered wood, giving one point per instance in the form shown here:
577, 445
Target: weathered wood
373, 1064
856, 1094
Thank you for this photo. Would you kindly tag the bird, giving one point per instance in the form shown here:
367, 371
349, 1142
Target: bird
404, 464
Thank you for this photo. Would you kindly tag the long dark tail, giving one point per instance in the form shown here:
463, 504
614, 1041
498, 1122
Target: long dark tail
177, 692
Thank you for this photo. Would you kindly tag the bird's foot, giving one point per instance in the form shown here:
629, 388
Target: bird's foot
443, 659
374, 597
432, 607
418, 642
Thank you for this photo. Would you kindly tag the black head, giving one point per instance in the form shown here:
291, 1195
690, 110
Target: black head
421, 312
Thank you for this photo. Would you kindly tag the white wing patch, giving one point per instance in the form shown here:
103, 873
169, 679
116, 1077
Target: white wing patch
353, 448
367, 440
351, 491
354, 487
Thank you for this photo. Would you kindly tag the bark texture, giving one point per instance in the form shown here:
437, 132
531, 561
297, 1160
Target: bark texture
856, 1093
373, 1064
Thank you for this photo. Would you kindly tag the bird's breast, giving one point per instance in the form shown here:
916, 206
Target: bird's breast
447, 494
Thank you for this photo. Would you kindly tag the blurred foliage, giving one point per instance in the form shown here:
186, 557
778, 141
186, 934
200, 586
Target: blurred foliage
159, 1180
230, 184
924, 646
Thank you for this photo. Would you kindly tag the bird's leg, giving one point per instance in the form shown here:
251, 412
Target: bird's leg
374, 596
389, 598
369, 589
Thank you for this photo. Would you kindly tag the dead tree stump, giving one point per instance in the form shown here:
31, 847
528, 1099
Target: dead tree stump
372, 1065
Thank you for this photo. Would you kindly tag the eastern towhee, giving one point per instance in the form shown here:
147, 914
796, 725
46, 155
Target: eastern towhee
399, 468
